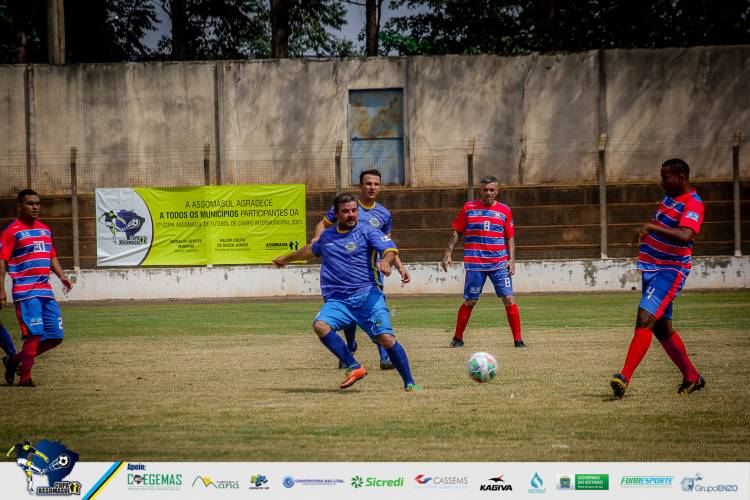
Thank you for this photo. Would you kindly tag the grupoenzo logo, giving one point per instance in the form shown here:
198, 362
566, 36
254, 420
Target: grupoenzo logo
695, 483
50, 459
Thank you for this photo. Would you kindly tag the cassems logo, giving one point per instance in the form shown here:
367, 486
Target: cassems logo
496, 484
441, 482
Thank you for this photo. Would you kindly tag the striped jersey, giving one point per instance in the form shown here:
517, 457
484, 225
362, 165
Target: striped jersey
29, 252
376, 216
661, 252
349, 260
486, 231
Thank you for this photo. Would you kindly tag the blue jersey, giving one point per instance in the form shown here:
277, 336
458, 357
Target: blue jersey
376, 216
350, 259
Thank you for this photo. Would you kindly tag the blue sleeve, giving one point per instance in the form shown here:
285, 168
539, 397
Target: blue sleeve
317, 247
330, 216
388, 226
381, 242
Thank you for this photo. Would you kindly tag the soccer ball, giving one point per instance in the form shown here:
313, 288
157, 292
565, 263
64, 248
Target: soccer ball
482, 367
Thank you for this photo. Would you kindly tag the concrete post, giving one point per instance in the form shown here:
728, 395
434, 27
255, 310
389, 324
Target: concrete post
602, 175
56, 31
206, 164
30, 123
74, 208
470, 170
339, 148
736, 195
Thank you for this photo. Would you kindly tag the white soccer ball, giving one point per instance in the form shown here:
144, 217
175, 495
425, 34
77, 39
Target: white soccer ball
482, 367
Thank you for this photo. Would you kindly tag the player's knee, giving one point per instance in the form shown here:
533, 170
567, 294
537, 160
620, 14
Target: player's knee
386, 340
509, 300
321, 327
470, 302
645, 319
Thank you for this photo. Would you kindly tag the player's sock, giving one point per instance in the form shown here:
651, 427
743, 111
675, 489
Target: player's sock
637, 350
27, 356
46, 345
381, 350
350, 334
514, 320
678, 354
337, 346
6, 342
401, 362
462, 319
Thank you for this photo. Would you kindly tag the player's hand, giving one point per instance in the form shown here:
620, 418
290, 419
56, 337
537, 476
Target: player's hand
447, 261
3, 298
385, 268
66, 283
511, 267
279, 262
405, 277
638, 234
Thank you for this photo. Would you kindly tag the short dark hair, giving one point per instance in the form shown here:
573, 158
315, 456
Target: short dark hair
488, 179
24, 193
677, 165
342, 198
372, 171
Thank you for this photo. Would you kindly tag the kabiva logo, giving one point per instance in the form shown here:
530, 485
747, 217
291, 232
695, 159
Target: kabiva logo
374, 482
536, 484
498, 485
690, 484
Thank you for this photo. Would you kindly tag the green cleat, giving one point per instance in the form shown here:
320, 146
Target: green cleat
619, 385
686, 388
413, 388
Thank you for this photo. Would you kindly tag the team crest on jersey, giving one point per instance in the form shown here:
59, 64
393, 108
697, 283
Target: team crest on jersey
374, 222
385, 238
692, 216
351, 246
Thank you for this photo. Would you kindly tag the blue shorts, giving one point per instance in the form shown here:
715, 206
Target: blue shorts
475, 283
368, 310
40, 317
659, 289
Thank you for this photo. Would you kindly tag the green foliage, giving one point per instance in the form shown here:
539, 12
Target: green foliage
517, 27
23, 31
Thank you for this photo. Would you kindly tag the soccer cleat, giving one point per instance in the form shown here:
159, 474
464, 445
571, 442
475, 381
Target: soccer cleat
686, 388
352, 375
10, 370
456, 342
386, 364
27, 383
413, 388
519, 343
618, 384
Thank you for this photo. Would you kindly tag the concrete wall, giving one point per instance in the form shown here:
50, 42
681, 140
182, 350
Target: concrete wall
709, 273
12, 128
536, 119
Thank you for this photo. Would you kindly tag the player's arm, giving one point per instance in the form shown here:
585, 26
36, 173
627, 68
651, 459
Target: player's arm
304, 253
55, 266
3, 272
511, 256
326, 222
683, 234
387, 260
405, 276
447, 258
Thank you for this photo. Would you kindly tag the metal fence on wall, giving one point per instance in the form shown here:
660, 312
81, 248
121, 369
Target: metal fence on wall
576, 214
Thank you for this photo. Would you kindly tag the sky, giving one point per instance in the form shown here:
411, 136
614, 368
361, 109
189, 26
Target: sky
355, 21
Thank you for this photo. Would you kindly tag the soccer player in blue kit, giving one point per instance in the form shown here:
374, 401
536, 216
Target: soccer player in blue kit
373, 213
348, 282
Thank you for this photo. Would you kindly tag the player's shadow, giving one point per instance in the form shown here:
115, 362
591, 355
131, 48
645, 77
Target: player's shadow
303, 390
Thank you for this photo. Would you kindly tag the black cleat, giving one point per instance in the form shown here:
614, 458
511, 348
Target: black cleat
619, 385
10, 370
519, 343
457, 342
386, 364
28, 383
686, 388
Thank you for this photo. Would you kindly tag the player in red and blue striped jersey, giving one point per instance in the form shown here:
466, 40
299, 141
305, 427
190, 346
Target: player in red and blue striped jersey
489, 252
376, 215
664, 258
27, 254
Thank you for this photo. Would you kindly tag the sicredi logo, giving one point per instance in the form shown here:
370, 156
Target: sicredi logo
375, 482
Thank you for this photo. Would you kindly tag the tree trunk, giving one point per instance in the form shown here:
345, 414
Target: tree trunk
179, 30
56, 31
280, 29
372, 28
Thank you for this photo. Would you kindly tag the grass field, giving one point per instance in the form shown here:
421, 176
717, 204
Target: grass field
249, 381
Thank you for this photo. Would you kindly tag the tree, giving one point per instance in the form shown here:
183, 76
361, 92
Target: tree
519, 27
23, 31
